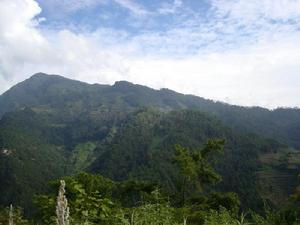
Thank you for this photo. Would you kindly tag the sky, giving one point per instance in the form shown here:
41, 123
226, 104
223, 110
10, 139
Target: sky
243, 52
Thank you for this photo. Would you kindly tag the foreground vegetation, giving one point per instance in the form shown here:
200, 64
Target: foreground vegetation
92, 199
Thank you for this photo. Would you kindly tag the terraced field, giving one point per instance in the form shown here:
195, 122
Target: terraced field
279, 175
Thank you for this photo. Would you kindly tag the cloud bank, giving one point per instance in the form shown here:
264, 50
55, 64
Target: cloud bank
240, 52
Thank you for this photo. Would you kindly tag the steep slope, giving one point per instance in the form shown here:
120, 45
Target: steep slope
144, 147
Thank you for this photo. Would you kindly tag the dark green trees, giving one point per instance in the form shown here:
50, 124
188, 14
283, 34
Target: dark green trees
195, 166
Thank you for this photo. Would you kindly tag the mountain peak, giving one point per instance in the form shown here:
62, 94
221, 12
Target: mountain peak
43, 76
123, 83
39, 74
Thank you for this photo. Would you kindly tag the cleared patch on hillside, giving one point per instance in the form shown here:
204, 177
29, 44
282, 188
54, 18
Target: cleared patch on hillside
278, 177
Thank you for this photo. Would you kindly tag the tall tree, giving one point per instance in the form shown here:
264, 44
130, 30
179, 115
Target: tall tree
196, 166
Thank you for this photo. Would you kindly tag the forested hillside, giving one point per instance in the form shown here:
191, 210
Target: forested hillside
73, 98
52, 127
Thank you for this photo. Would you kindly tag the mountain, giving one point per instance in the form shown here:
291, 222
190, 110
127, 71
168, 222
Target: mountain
52, 126
73, 97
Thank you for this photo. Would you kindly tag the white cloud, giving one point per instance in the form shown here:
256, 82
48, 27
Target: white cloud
257, 18
25, 50
265, 75
133, 7
20, 41
193, 58
167, 8
257, 9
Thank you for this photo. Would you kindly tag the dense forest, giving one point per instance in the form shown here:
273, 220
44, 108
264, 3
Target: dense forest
130, 154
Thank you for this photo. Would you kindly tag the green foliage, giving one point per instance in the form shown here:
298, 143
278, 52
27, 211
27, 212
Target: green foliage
229, 201
221, 216
17, 217
52, 127
131, 193
288, 213
92, 208
153, 214
86, 202
30, 161
45, 205
195, 168
271, 217
83, 156
186, 163
225, 217
97, 200
154, 209
139, 146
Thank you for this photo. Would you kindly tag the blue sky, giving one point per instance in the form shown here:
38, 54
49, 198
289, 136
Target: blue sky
237, 51
133, 16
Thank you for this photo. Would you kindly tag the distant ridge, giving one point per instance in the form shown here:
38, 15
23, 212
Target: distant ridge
58, 91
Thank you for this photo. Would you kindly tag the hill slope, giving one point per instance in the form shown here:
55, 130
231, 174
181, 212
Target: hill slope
52, 126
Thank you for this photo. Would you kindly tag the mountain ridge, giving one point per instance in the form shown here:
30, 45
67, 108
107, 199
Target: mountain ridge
59, 92
42, 77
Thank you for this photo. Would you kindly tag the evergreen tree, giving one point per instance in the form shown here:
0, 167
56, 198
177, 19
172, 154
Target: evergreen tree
195, 166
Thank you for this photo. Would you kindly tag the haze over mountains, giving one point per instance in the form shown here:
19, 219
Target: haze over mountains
52, 126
